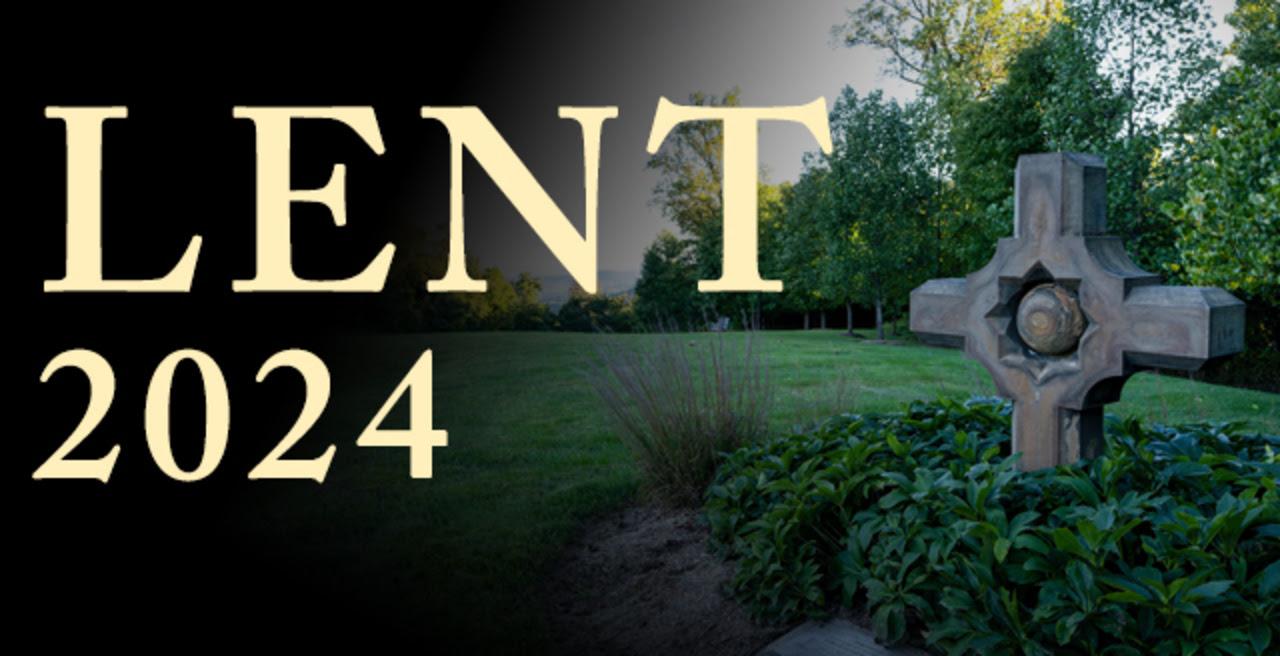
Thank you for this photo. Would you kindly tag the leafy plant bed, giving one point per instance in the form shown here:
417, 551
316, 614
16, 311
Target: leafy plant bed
1168, 543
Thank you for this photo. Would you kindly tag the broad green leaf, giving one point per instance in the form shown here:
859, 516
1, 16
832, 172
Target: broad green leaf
1270, 580
1001, 549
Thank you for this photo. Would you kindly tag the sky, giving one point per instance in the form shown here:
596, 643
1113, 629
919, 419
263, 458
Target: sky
629, 55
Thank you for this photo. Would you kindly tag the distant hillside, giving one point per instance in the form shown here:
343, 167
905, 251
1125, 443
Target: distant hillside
555, 289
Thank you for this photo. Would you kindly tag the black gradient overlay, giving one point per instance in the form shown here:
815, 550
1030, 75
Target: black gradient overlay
150, 562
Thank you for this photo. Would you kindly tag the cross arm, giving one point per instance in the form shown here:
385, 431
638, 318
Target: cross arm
939, 312
1181, 327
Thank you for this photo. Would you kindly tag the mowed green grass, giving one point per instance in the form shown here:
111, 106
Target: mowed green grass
531, 456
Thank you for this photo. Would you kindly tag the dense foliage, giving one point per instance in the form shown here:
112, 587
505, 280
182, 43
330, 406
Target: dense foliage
1228, 224
667, 293
924, 189
872, 239
586, 313
1168, 544
1225, 170
505, 305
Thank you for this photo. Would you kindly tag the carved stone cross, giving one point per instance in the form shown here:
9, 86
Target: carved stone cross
1061, 317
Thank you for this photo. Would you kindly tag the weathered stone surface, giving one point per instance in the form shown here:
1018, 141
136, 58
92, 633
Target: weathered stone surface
833, 638
1061, 317
938, 312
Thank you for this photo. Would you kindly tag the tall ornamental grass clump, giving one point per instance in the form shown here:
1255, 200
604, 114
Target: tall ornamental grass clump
680, 402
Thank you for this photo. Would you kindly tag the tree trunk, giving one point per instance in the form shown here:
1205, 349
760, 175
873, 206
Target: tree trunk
879, 319
937, 224
806, 319
848, 317
1129, 90
822, 315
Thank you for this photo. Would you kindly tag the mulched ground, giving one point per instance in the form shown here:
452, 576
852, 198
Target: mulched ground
642, 582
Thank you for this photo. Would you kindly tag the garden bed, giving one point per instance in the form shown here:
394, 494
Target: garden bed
642, 581
1169, 543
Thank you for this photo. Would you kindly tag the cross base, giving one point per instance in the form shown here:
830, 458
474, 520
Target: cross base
1079, 434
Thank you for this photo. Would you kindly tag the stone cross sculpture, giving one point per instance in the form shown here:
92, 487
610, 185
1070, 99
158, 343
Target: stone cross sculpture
1061, 317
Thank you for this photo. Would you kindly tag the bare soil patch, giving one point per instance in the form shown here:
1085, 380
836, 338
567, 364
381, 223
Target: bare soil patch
642, 581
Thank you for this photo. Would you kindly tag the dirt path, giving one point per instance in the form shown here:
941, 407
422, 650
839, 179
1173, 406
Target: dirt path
642, 582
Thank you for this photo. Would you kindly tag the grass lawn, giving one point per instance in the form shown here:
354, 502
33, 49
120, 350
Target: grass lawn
531, 456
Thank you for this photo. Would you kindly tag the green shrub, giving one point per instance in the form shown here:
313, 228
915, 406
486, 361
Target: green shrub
1167, 544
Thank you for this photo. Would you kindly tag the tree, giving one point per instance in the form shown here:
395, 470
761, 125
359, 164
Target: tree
771, 215
495, 308
989, 136
690, 165
1054, 98
689, 190
1226, 212
957, 52
423, 258
1158, 53
666, 292
1155, 54
585, 312
1103, 80
1228, 221
530, 312
954, 50
797, 248
504, 306
1257, 42
878, 191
